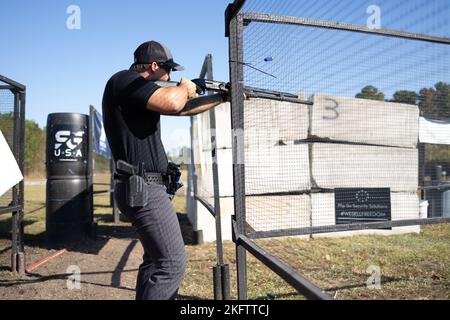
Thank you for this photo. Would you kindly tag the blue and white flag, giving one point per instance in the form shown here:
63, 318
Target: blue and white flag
101, 146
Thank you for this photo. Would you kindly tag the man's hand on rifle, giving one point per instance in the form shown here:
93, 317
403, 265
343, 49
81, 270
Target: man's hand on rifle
190, 86
193, 103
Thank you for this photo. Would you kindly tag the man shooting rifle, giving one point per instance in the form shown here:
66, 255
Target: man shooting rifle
146, 183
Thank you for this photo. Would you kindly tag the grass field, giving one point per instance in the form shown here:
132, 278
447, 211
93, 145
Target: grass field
415, 266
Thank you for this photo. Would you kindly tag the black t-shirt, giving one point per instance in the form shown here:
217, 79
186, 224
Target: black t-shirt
133, 132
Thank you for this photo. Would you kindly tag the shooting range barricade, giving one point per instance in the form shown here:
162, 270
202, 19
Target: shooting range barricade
335, 160
12, 124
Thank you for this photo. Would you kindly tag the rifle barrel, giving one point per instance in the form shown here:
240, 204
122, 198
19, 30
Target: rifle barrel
218, 86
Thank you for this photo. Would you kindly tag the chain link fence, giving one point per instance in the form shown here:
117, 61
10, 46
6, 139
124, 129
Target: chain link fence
7, 128
12, 125
351, 153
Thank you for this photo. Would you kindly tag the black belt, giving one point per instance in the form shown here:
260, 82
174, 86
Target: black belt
156, 178
150, 177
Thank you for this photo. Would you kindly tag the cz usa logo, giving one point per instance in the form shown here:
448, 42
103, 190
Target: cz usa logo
68, 144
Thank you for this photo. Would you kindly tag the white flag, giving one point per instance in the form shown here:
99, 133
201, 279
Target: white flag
10, 174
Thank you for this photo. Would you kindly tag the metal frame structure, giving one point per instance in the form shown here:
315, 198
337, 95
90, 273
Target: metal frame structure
221, 271
235, 22
16, 207
234, 30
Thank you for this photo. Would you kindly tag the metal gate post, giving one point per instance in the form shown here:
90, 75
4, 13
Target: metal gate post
236, 26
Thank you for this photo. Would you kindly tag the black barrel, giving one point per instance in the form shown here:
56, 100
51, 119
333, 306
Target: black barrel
69, 213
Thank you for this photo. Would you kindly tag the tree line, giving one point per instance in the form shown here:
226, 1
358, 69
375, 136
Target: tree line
35, 146
433, 102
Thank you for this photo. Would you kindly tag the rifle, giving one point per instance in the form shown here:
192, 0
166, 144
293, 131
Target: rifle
223, 88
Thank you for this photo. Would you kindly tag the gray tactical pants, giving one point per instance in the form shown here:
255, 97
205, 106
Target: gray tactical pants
163, 268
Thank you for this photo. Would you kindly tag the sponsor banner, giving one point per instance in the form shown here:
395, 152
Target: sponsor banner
361, 205
101, 146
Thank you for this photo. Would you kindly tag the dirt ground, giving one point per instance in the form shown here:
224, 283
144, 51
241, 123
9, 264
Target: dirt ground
108, 265
107, 268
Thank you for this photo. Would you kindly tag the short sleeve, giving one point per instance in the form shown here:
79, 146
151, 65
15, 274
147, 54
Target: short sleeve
132, 89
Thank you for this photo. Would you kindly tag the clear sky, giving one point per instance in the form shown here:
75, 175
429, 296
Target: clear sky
66, 70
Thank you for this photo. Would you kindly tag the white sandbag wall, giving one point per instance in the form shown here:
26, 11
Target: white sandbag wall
275, 164
206, 223
267, 122
225, 171
223, 140
336, 143
222, 133
359, 166
202, 220
365, 121
374, 146
275, 169
266, 213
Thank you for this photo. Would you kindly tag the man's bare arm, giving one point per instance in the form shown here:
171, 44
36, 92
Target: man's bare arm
171, 100
200, 105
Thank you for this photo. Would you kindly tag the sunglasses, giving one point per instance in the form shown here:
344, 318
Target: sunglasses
164, 66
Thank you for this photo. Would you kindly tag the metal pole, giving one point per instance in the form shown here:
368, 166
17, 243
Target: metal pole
221, 283
225, 274
422, 162
21, 198
215, 173
193, 179
15, 190
90, 179
305, 22
237, 115
113, 203
230, 13
217, 282
300, 283
16, 85
346, 227
207, 73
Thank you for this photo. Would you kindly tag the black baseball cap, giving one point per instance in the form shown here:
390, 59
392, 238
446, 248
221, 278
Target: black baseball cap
152, 51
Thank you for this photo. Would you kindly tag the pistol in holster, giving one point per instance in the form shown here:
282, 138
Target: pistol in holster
136, 190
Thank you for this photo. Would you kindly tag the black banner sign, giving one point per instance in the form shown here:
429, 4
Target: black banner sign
361, 205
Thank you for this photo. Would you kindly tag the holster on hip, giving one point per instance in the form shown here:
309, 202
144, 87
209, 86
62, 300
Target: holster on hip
136, 190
